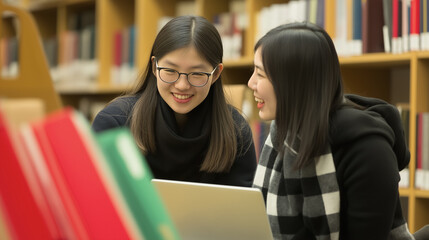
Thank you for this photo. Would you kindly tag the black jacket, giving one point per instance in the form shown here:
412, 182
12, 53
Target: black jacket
369, 150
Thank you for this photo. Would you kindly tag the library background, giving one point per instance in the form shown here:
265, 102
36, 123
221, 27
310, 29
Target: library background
96, 48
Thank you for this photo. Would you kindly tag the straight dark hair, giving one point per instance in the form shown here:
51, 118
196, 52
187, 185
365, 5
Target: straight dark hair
181, 32
301, 62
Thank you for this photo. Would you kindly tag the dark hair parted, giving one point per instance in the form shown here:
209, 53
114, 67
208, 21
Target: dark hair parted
301, 62
181, 32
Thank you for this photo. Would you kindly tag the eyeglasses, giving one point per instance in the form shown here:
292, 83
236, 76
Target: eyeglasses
196, 79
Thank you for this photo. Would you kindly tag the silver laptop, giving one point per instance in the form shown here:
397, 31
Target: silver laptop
208, 211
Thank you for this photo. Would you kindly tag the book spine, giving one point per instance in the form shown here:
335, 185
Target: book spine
415, 25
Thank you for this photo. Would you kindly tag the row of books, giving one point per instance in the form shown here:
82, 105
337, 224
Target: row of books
232, 26
407, 24
124, 46
60, 180
358, 26
422, 151
9, 57
72, 55
404, 111
422, 147
345, 20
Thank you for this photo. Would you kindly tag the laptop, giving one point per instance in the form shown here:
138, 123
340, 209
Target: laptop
209, 211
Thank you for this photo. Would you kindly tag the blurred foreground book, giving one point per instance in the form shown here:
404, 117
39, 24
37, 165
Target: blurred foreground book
77, 185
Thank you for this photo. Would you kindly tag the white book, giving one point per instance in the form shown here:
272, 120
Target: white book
405, 178
414, 42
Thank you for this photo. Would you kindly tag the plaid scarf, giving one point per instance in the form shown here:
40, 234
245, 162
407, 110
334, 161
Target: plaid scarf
300, 203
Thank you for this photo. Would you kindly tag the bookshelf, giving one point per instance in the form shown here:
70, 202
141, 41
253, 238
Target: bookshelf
395, 78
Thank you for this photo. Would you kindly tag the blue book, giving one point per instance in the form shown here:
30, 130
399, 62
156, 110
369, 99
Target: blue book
357, 20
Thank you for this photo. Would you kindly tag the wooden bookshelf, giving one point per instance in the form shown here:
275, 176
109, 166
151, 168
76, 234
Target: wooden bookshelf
392, 77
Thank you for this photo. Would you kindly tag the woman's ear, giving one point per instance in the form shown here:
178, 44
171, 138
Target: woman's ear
217, 73
152, 59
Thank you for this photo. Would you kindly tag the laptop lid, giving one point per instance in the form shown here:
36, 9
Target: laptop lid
210, 211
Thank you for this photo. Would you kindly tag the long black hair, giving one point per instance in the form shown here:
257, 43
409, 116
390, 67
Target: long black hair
301, 62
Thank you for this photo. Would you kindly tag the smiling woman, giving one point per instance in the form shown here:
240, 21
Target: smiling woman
178, 113
329, 168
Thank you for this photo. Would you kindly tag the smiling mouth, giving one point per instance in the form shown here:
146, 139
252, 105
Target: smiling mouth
259, 100
182, 96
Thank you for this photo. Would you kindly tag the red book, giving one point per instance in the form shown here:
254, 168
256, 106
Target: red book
415, 25
117, 49
395, 20
20, 199
71, 156
52, 182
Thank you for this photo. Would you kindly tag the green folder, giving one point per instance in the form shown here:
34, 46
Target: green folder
133, 177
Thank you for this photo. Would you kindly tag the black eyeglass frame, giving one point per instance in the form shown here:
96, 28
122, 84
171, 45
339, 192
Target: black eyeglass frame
186, 74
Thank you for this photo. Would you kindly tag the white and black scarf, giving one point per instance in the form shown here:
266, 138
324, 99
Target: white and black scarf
301, 204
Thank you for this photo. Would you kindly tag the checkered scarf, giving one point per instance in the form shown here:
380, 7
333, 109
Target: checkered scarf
300, 203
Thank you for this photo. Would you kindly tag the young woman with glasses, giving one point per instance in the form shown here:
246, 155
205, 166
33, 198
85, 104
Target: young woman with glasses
330, 167
178, 113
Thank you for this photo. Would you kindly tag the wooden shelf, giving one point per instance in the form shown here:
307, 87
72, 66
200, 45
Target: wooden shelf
243, 62
377, 60
423, 55
53, 4
422, 193
404, 192
90, 89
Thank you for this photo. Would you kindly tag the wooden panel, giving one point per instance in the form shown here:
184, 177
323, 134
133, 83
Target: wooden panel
368, 82
47, 22
150, 11
236, 75
7, 26
33, 80
422, 216
209, 8
422, 92
377, 60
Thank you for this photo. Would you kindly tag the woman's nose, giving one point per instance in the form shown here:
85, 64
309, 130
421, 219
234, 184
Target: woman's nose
182, 82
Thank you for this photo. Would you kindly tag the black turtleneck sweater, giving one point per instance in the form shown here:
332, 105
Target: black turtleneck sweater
180, 152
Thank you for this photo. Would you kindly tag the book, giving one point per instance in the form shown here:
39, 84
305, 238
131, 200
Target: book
341, 27
53, 186
387, 27
372, 26
396, 39
4, 231
422, 152
404, 112
415, 25
405, 25
133, 176
357, 27
425, 26
21, 204
320, 15
93, 206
